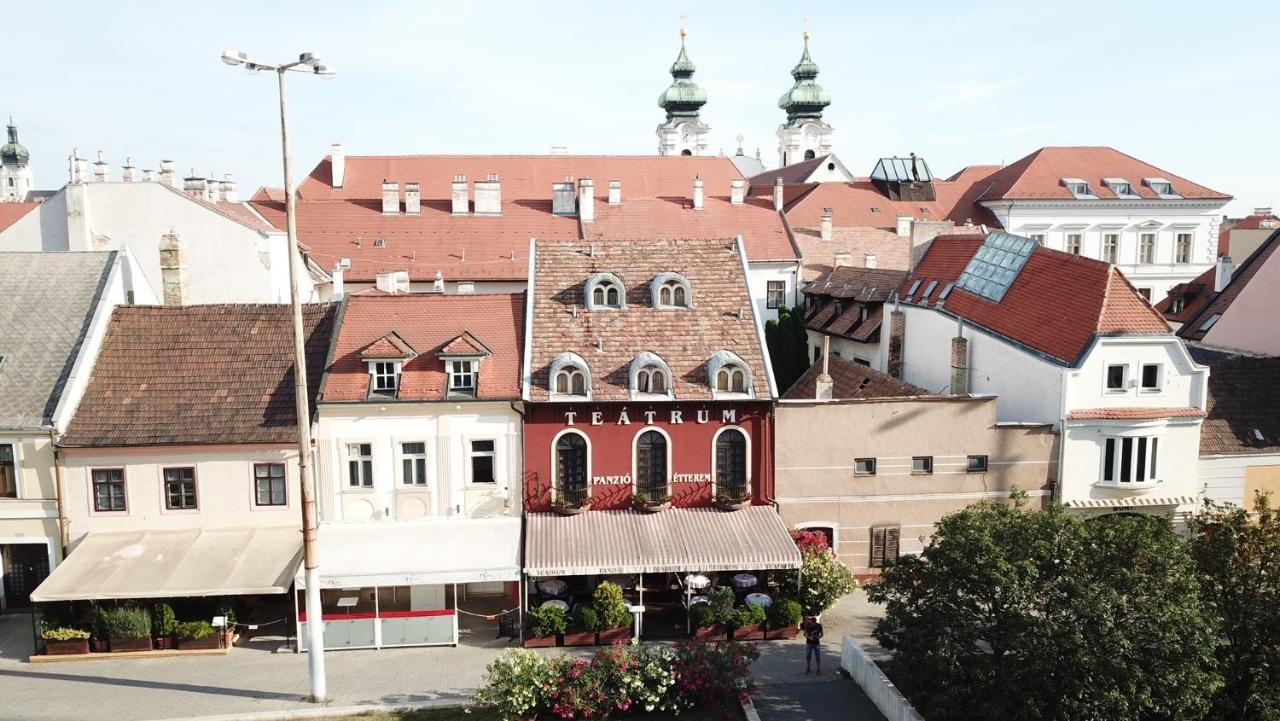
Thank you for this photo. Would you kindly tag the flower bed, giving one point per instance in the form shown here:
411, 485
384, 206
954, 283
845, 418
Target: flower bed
620, 680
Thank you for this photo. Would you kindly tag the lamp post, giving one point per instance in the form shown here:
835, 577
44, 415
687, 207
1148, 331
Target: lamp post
315, 628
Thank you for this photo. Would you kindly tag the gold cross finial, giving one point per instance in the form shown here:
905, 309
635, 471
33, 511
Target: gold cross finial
806, 30
683, 32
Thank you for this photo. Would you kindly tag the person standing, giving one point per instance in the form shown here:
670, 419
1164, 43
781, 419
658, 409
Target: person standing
812, 644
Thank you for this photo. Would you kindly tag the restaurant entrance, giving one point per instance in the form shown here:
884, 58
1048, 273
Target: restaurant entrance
22, 567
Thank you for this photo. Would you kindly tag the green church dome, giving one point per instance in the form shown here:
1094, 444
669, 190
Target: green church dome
806, 99
12, 152
683, 98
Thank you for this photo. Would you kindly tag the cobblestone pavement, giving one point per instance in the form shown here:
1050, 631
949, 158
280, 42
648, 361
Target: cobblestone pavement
255, 679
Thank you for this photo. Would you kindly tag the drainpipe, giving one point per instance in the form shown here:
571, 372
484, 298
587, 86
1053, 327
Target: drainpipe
64, 525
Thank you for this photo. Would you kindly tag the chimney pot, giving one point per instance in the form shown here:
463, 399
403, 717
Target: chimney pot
461, 202
586, 200
173, 269
339, 286
148, 175
412, 199
1262, 211
390, 198
338, 164
230, 189
697, 193
489, 195
737, 191
827, 221
167, 174
128, 173
563, 201
825, 387
101, 171
615, 192
777, 194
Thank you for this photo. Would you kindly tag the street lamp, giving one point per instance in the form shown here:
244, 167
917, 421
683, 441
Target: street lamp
306, 62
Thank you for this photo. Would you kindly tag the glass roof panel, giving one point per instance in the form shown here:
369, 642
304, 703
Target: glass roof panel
996, 265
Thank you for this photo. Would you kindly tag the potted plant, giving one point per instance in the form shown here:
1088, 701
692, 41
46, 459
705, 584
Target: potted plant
585, 624
746, 623
545, 625
163, 625
705, 627
197, 634
228, 611
565, 507
651, 502
128, 628
784, 619
65, 640
616, 621
733, 499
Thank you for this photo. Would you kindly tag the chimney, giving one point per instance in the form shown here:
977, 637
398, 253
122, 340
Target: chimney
461, 203
148, 175
615, 192
230, 189
339, 278
562, 198
193, 186
128, 173
489, 195
737, 191
697, 193
777, 193
559, 150
173, 269
897, 336
826, 224
869, 260
959, 362
1261, 211
904, 226
1222, 276
101, 171
167, 176
338, 164
825, 387
390, 198
586, 200
412, 199
211, 189
843, 259
392, 281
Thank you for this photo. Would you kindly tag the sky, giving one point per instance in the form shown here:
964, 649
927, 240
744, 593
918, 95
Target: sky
1190, 88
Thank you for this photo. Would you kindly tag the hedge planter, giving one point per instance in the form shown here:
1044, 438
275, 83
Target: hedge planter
208, 642
164, 643
752, 632
714, 632
579, 638
122, 645
610, 636
66, 648
540, 641
99, 646
774, 634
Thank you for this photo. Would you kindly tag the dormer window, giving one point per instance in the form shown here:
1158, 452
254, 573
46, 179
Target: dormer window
385, 358
671, 290
650, 376
462, 377
729, 375
731, 379
570, 378
1079, 188
462, 357
386, 377
1121, 187
605, 290
1162, 188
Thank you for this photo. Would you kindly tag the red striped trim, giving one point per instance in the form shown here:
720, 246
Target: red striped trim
302, 617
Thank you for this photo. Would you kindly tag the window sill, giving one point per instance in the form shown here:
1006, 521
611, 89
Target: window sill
1132, 487
567, 398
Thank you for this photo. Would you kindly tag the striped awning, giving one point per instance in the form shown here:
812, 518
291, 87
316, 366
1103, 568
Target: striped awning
674, 540
1132, 502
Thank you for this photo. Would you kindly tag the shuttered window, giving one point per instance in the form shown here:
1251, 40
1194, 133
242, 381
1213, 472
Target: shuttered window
884, 545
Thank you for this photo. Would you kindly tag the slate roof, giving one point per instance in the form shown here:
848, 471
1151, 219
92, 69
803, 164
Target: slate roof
851, 380
431, 324
1039, 176
200, 374
860, 284
791, 174
1056, 305
609, 340
1244, 395
1221, 302
48, 303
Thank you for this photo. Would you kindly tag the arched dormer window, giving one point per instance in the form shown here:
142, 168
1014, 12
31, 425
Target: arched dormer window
671, 290
605, 290
650, 376
570, 378
729, 376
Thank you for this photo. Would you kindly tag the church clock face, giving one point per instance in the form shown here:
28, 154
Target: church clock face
686, 133
810, 133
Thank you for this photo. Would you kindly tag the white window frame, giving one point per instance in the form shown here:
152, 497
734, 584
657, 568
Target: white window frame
376, 373
16, 444
472, 372
1079, 243
1110, 254
402, 456
570, 363
1124, 382
1039, 238
604, 281
668, 283
769, 289
348, 458
495, 454
828, 525
1177, 247
1159, 386
1153, 463
1143, 255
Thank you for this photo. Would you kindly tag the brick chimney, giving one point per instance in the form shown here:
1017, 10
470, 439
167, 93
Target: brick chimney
167, 176
390, 198
615, 192
562, 199
825, 230
230, 189
824, 387
412, 199
737, 191
101, 171
173, 269
777, 194
586, 200
458, 193
128, 173
338, 164
489, 195
697, 193
959, 362
897, 336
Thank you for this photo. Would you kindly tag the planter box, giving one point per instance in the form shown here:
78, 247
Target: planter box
98, 646
210, 641
119, 645
579, 638
727, 505
651, 507
715, 632
754, 632
66, 648
780, 633
164, 643
610, 636
539, 641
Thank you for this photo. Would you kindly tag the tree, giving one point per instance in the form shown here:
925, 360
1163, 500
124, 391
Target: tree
788, 342
1018, 614
1237, 554
823, 579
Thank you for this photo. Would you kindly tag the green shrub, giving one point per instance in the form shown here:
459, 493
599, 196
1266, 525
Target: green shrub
785, 613
194, 630
64, 633
126, 622
747, 615
228, 609
547, 621
586, 618
702, 615
163, 620
722, 601
610, 605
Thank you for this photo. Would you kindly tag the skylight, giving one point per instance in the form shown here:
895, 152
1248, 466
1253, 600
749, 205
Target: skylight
1120, 187
1161, 187
914, 287
1079, 188
1209, 323
912, 169
946, 291
997, 263
928, 291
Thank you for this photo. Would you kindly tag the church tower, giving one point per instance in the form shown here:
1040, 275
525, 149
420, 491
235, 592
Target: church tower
684, 133
15, 169
804, 136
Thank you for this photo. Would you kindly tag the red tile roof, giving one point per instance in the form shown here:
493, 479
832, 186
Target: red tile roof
1244, 394
464, 345
860, 284
847, 292
851, 380
1195, 295
428, 322
1221, 302
1039, 176
861, 205
199, 374
760, 226
1056, 305
11, 213
610, 339
389, 346
1132, 414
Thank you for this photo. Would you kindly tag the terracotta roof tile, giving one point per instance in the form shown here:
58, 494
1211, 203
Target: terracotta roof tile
11, 213
464, 344
1194, 294
389, 346
860, 284
760, 226
1039, 176
861, 205
1132, 414
1244, 394
1221, 302
610, 339
429, 322
851, 380
198, 374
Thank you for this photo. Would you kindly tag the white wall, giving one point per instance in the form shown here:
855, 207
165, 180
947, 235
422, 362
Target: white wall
1178, 445
1183, 383
1222, 478
758, 277
845, 348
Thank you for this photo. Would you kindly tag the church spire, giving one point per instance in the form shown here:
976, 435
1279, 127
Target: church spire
804, 135
683, 133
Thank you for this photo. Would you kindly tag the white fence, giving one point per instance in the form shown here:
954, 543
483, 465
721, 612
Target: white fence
875, 684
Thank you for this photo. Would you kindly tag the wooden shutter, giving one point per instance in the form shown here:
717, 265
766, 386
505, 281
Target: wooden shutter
877, 546
891, 543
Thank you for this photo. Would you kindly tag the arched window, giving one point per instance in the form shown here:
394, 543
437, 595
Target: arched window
686, 152
571, 381
731, 466
651, 468
729, 375
651, 379
569, 378
671, 290
650, 376
571, 469
731, 379
605, 290
809, 155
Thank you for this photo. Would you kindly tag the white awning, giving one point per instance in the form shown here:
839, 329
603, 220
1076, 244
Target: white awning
673, 540
447, 550
1132, 502
176, 564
